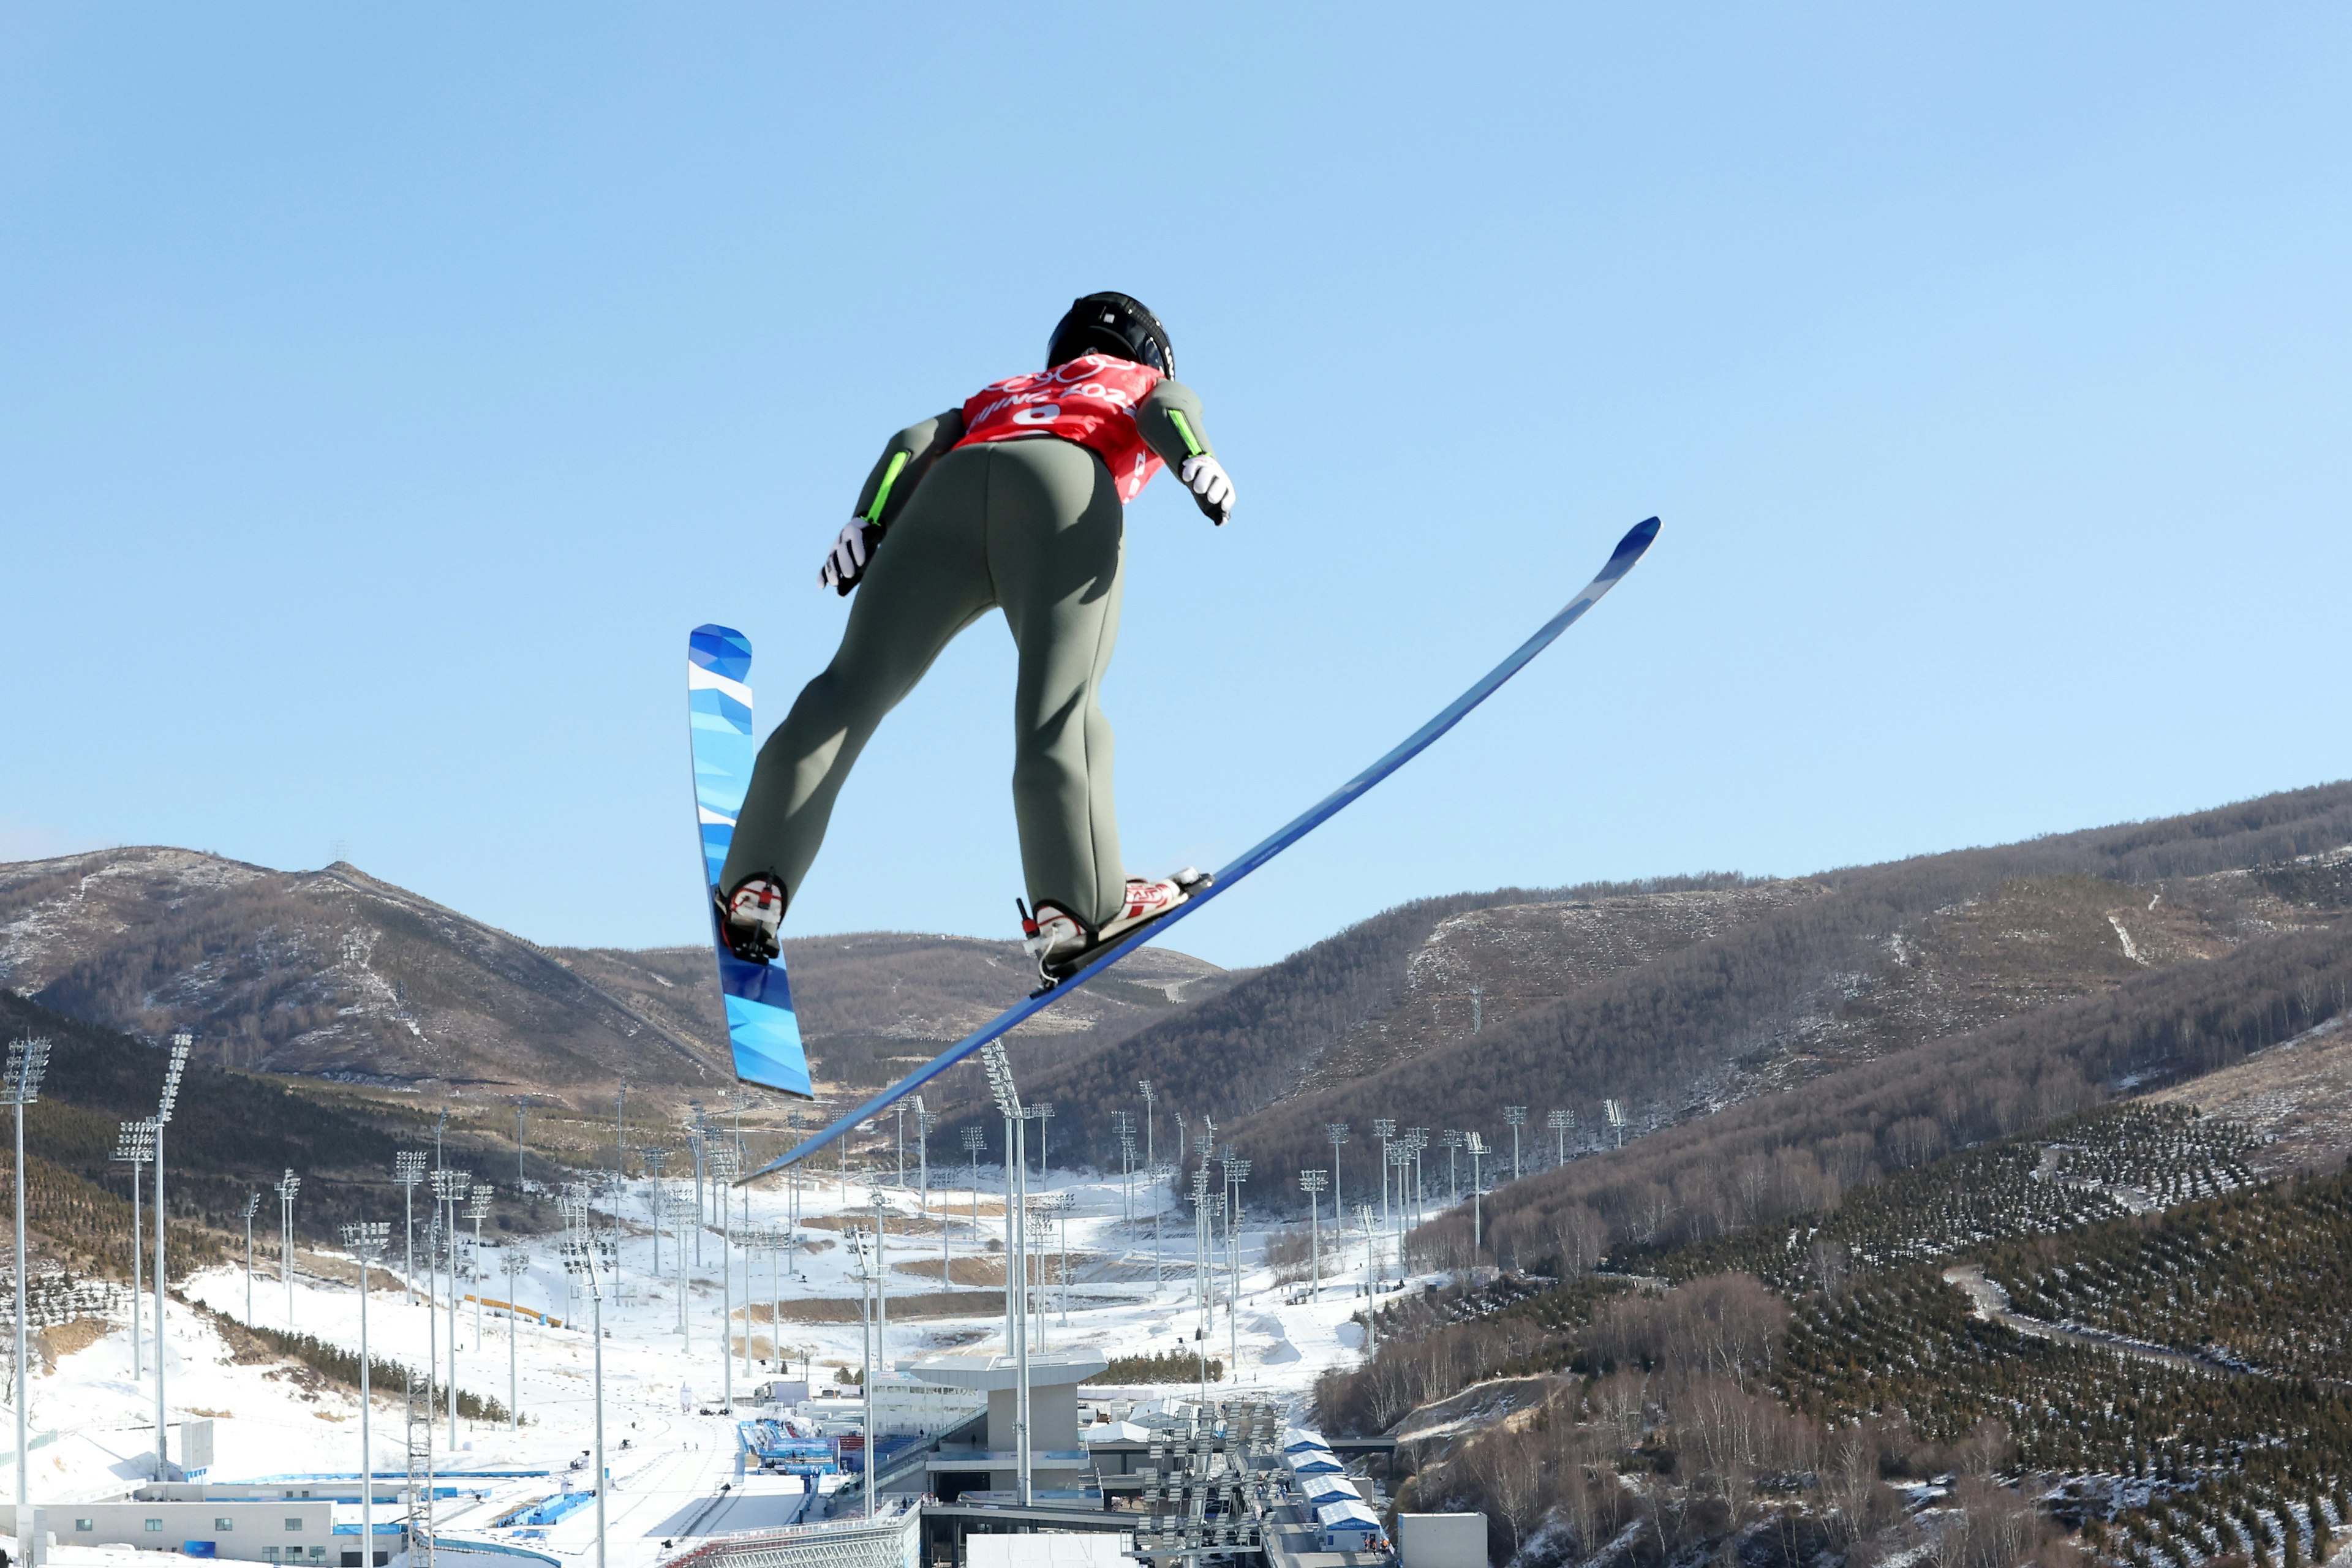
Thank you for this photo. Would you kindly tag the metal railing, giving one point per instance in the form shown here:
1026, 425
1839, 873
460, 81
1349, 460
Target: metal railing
890, 1540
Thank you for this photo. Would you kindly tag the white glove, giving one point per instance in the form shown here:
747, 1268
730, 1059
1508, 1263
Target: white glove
1212, 490
851, 551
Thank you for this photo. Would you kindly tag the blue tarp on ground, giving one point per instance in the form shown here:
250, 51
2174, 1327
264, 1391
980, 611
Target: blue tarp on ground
557, 1507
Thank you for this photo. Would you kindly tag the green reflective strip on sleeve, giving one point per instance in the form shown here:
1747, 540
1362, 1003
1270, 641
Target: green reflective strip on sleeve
882, 491
1184, 429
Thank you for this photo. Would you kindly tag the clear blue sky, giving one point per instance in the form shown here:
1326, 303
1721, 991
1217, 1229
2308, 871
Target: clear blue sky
385, 391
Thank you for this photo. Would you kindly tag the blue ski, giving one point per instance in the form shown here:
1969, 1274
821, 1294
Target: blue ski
1628, 551
761, 1028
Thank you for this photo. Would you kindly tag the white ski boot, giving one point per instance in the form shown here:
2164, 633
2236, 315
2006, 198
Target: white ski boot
750, 917
1061, 942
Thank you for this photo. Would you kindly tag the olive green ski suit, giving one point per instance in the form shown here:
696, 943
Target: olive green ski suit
1033, 526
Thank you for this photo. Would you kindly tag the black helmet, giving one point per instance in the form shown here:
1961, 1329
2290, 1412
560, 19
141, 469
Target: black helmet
1113, 324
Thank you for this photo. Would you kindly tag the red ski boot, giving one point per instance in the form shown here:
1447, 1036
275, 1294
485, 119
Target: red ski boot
1061, 942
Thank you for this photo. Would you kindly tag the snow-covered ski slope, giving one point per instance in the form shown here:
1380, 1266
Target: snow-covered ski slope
93, 1425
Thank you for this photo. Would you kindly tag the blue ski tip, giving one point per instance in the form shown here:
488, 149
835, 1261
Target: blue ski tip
1629, 549
722, 650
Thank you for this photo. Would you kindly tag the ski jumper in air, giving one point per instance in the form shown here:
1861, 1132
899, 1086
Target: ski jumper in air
1015, 500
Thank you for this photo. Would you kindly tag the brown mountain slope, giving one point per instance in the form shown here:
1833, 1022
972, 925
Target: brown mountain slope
1887, 959
1677, 1000
335, 973
874, 1003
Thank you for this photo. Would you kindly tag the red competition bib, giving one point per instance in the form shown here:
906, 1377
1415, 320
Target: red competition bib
1091, 400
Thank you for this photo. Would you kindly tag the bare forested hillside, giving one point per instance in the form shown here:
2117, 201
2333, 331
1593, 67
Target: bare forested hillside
231, 1136
1684, 1000
335, 973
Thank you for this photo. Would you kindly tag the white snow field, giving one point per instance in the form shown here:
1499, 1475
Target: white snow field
93, 1425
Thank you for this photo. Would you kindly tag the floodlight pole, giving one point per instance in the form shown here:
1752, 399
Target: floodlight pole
924, 1121
654, 1160
1019, 1220
23, 1384
1069, 1201
477, 1209
1336, 1133
1123, 1127
28, 1057
1016, 1291
694, 1142
181, 1042
856, 1239
1160, 1178
448, 1187
583, 1255
1143, 1088
1236, 1173
252, 1202
1517, 1116
974, 1140
368, 1239
408, 1169
288, 1185
1384, 1129
456, 1290
512, 1265
135, 1142
881, 1284
1477, 1147
1311, 1184
722, 1161
676, 1202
